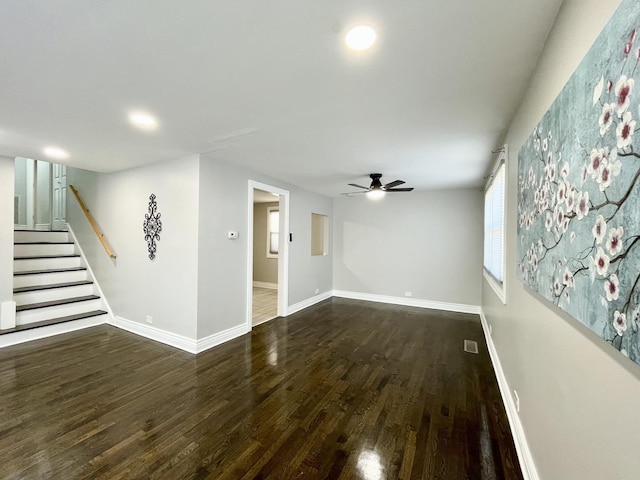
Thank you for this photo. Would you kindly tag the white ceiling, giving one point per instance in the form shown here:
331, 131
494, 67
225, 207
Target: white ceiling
270, 85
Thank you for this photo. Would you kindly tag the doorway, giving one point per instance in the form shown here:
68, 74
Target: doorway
40, 195
267, 253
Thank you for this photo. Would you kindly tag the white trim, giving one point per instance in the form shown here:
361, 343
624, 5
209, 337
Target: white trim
501, 162
296, 307
50, 330
96, 284
7, 314
154, 333
220, 337
497, 287
269, 285
409, 302
180, 341
529, 471
283, 256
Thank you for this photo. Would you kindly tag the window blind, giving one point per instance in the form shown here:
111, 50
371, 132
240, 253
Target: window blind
494, 210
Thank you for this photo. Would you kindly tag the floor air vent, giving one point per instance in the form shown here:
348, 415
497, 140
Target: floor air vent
470, 346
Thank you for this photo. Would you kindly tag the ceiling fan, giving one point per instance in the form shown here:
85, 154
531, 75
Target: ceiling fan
377, 189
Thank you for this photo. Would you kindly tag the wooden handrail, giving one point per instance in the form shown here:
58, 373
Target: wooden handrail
92, 222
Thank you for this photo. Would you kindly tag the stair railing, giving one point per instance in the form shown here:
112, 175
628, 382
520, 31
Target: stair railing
92, 221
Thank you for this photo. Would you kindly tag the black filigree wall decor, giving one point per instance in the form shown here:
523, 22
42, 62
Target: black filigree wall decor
152, 226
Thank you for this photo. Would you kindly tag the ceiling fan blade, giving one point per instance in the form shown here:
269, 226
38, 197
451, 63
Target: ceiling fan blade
349, 194
395, 183
399, 189
358, 186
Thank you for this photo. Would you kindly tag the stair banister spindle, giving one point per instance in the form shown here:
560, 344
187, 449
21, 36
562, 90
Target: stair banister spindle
92, 221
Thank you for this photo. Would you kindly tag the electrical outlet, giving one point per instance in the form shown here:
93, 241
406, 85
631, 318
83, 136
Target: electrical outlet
490, 329
317, 291
149, 319
408, 294
516, 398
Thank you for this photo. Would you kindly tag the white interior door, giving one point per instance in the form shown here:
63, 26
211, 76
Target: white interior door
59, 197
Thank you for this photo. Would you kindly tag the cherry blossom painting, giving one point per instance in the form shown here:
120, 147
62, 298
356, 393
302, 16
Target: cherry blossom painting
579, 193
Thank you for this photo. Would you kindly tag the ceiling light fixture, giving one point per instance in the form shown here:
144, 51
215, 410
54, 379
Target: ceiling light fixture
143, 121
55, 153
376, 193
360, 37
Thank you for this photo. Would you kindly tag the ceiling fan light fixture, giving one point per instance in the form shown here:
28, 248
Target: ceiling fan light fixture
375, 193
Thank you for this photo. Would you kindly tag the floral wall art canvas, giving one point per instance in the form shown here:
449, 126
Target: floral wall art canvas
579, 193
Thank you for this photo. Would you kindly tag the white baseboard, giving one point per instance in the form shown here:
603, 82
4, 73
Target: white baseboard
153, 333
529, 471
51, 330
296, 307
409, 302
220, 337
179, 341
7, 314
271, 286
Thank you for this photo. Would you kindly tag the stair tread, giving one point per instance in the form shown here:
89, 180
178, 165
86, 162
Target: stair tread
52, 286
36, 257
54, 303
43, 243
39, 231
50, 270
54, 321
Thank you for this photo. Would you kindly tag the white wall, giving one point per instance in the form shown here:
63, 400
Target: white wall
222, 269
197, 285
135, 286
6, 229
579, 398
308, 273
428, 243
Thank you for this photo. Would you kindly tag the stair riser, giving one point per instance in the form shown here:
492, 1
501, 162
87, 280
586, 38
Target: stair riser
45, 263
48, 278
40, 236
52, 294
43, 249
39, 314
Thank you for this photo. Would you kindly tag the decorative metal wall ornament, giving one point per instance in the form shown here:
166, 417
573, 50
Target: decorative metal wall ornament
152, 226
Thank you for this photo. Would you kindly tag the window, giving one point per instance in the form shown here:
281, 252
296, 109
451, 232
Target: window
273, 228
494, 213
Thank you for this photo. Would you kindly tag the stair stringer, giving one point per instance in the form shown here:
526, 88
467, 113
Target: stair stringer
105, 302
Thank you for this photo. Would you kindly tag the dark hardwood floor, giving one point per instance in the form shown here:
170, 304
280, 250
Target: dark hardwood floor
342, 390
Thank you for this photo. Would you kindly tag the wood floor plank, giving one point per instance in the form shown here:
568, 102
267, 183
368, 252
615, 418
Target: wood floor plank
342, 390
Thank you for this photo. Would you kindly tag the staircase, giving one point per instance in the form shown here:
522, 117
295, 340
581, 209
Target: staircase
51, 283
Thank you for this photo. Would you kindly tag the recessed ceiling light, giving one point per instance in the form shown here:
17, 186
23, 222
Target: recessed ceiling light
143, 120
360, 37
55, 153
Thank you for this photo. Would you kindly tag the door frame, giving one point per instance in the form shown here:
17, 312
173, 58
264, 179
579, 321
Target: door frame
283, 249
